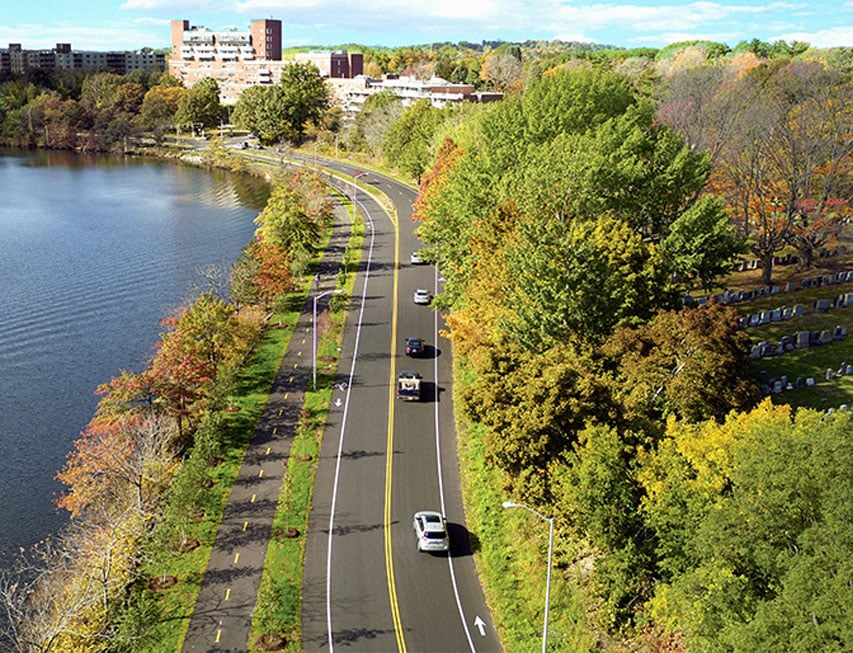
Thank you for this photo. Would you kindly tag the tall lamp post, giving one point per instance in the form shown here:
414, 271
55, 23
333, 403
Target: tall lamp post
354, 191
314, 329
550, 520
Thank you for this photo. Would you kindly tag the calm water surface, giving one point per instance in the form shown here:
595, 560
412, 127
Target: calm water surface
93, 253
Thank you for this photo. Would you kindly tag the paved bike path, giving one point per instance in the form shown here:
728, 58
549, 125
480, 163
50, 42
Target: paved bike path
221, 619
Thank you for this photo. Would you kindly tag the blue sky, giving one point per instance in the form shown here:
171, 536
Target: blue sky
133, 24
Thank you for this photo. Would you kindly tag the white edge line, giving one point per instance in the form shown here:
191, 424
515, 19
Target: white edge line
335, 482
441, 477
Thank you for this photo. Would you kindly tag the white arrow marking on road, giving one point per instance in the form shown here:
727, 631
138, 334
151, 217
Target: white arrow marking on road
338, 402
480, 625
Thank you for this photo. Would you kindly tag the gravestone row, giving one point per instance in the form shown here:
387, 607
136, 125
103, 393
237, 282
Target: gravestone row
797, 340
782, 384
782, 313
737, 296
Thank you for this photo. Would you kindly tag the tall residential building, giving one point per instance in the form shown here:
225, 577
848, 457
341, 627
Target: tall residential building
238, 60
15, 59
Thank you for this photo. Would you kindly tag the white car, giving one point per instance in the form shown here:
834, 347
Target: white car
421, 296
431, 531
415, 258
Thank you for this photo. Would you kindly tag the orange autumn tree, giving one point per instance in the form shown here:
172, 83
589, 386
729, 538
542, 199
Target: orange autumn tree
118, 463
272, 273
785, 172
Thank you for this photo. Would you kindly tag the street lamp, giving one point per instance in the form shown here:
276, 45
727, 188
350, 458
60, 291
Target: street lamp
338, 291
550, 520
354, 191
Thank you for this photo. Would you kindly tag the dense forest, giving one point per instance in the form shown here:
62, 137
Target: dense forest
569, 222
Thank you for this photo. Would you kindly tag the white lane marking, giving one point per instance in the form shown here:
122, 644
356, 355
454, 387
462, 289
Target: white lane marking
336, 481
441, 476
480, 625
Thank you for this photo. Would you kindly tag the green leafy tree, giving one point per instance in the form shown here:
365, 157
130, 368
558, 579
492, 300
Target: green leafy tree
259, 111
752, 519
304, 96
200, 105
583, 279
99, 91
702, 245
598, 494
407, 144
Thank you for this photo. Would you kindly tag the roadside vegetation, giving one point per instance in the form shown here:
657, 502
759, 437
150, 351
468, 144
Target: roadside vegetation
569, 220
149, 477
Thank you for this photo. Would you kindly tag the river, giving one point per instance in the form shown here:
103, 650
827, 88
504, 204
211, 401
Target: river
94, 252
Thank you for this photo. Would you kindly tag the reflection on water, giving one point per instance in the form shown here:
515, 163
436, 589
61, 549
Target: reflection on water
94, 251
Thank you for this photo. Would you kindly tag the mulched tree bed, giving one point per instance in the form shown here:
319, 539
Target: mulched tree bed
162, 582
188, 544
271, 642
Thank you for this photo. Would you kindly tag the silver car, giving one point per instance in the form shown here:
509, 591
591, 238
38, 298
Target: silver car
431, 531
421, 296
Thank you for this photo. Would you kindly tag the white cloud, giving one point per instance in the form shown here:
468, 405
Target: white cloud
115, 36
826, 38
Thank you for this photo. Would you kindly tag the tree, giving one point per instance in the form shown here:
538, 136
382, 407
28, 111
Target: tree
691, 363
304, 96
533, 407
208, 327
99, 91
785, 173
701, 244
200, 105
597, 492
502, 71
367, 131
118, 464
550, 265
273, 275
407, 142
259, 111
752, 518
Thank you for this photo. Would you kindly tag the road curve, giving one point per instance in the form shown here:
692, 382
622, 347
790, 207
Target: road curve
365, 587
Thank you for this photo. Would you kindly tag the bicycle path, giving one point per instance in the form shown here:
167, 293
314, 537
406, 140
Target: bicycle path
221, 619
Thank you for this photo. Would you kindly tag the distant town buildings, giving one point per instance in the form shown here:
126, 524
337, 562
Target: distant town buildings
238, 60
351, 94
15, 59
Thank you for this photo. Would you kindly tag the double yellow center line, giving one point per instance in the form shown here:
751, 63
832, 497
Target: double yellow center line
389, 453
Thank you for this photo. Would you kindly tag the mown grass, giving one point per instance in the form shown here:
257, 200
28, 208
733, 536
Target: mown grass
162, 617
806, 362
511, 552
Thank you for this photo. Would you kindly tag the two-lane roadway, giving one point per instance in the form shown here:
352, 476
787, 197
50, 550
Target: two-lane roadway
366, 587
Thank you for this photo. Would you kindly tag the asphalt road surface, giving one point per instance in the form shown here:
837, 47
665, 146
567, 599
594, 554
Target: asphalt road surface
365, 586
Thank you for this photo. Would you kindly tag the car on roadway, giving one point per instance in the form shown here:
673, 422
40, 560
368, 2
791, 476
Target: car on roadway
421, 296
414, 347
431, 531
415, 258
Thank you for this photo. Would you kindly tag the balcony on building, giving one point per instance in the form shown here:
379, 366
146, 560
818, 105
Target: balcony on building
228, 52
205, 52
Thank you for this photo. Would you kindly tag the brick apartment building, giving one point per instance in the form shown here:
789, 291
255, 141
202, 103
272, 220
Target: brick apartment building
238, 60
15, 59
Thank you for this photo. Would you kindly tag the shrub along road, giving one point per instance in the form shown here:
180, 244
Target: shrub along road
222, 616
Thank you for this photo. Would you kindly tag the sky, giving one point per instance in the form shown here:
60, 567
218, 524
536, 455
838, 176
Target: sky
103, 25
